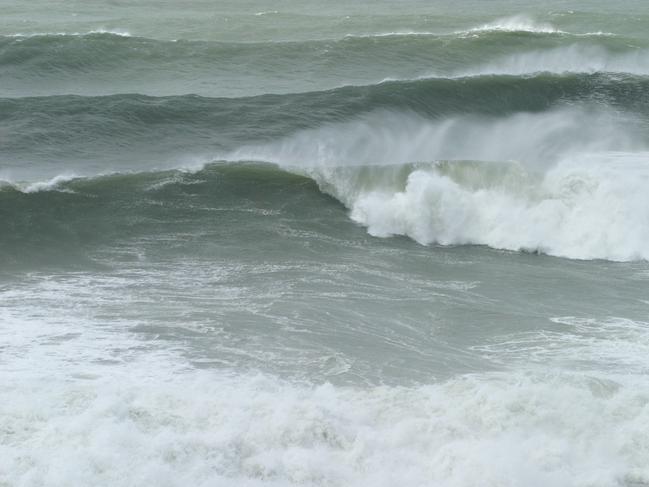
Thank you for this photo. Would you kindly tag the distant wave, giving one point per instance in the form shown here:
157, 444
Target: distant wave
575, 58
115, 32
110, 62
488, 94
524, 24
401, 33
516, 23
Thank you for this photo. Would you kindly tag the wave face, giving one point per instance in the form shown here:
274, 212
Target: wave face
336, 243
70, 218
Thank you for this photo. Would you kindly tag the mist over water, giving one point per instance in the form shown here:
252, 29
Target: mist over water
324, 244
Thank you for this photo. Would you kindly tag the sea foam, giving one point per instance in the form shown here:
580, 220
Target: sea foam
135, 412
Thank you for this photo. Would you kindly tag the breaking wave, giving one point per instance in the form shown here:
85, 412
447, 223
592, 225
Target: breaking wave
569, 183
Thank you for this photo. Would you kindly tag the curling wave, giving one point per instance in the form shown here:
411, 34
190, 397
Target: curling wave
567, 183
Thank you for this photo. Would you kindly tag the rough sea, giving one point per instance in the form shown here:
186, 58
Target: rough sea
324, 243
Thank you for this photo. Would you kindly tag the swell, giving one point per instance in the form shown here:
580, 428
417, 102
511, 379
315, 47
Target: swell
69, 127
487, 93
108, 63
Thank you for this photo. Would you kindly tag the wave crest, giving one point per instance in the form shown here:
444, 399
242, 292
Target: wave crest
517, 23
112, 32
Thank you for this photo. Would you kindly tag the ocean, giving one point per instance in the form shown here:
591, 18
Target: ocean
299, 243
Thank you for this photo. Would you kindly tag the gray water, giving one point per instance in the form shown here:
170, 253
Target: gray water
295, 243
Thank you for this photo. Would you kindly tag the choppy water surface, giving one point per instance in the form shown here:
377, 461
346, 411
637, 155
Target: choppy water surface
296, 243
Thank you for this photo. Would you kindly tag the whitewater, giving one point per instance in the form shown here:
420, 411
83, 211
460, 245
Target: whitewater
308, 244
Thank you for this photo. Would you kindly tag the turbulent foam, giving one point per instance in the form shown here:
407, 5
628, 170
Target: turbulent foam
205, 430
584, 209
132, 411
574, 188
